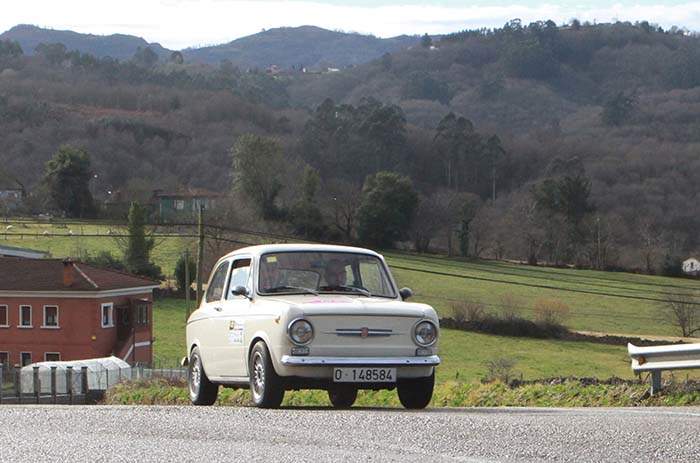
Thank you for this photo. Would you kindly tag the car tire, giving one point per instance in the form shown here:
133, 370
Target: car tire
415, 393
266, 388
202, 391
342, 397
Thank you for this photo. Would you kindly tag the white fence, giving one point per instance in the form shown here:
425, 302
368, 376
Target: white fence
656, 359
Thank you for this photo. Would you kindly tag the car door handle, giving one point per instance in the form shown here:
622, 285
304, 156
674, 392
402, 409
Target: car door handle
218, 309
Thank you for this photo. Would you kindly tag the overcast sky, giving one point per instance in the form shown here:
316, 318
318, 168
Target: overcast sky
178, 24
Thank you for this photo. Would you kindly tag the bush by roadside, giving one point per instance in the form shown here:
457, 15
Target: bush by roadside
555, 392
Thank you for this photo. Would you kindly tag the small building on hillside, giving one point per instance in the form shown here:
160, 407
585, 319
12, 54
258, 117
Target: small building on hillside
11, 251
53, 310
183, 205
691, 266
11, 194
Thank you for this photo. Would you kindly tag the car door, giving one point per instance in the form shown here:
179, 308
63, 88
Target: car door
214, 340
236, 308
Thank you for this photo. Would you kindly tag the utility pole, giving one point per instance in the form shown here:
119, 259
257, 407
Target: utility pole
200, 254
187, 284
597, 224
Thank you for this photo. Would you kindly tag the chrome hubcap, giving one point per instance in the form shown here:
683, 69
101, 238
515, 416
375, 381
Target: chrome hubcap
195, 375
258, 376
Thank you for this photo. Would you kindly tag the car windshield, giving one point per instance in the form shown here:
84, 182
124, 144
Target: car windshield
323, 272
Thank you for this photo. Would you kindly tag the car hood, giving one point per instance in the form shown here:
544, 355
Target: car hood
339, 304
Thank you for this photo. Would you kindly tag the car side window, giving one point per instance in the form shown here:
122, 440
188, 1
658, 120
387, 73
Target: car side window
216, 286
239, 276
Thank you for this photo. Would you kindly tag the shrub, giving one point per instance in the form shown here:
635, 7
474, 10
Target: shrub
500, 369
551, 311
510, 306
105, 259
466, 311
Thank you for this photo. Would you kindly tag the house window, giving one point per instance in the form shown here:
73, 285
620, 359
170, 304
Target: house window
4, 322
50, 316
25, 358
5, 359
25, 316
179, 204
52, 357
107, 313
142, 314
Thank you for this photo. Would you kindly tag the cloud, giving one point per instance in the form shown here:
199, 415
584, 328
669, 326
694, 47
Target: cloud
182, 23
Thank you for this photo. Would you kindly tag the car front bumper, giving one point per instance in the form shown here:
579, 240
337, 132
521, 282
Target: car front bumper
427, 361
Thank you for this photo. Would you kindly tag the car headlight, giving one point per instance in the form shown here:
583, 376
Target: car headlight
301, 332
425, 333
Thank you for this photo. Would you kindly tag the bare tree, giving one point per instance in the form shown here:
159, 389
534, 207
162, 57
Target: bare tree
683, 311
342, 199
435, 215
651, 237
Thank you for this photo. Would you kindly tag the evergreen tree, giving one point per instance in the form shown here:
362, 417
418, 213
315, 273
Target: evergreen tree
67, 178
387, 209
182, 284
137, 255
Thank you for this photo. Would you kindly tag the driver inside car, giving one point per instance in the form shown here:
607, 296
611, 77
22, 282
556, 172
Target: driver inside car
334, 274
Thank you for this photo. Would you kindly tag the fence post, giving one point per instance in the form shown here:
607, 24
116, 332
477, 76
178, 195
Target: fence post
18, 385
655, 382
53, 384
37, 384
2, 382
84, 383
69, 383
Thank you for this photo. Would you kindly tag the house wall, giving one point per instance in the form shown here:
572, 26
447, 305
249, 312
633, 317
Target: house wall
80, 334
167, 210
691, 266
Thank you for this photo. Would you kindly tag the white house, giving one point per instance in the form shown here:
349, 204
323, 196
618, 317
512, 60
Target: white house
691, 266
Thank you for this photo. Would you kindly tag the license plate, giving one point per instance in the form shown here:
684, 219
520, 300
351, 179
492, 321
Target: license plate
364, 375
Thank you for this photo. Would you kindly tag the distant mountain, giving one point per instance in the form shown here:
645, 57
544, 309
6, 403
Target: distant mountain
118, 46
309, 46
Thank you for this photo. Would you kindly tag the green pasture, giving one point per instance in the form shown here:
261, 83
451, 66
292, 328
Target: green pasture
465, 355
613, 302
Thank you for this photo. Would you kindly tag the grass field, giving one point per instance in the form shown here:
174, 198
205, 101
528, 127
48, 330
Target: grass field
599, 301
464, 354
165, 253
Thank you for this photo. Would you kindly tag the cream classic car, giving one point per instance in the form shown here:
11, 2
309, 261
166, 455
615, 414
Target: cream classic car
298, 316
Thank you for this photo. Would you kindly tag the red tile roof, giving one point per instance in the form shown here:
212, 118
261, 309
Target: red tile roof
18, 274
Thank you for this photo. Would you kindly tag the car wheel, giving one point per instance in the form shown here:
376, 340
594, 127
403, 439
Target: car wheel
342, 397
202, 391
265, 386
415, 393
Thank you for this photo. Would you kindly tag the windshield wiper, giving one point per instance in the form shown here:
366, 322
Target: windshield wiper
295, 288
353, 289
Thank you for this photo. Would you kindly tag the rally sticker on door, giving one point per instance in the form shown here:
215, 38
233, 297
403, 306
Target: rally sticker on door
235, 332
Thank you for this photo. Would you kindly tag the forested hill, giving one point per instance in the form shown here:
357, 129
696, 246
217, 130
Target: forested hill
117, 46
307, 46
587, 136
522, 78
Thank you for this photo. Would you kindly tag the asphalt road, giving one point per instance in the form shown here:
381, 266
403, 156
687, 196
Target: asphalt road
144, 434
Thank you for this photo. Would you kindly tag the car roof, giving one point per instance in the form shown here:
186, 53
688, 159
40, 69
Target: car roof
303, 247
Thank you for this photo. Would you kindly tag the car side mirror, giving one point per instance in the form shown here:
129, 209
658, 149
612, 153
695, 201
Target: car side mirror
241, 291
405, 293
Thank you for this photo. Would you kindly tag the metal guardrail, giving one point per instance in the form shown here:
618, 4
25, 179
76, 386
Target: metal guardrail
656, 359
